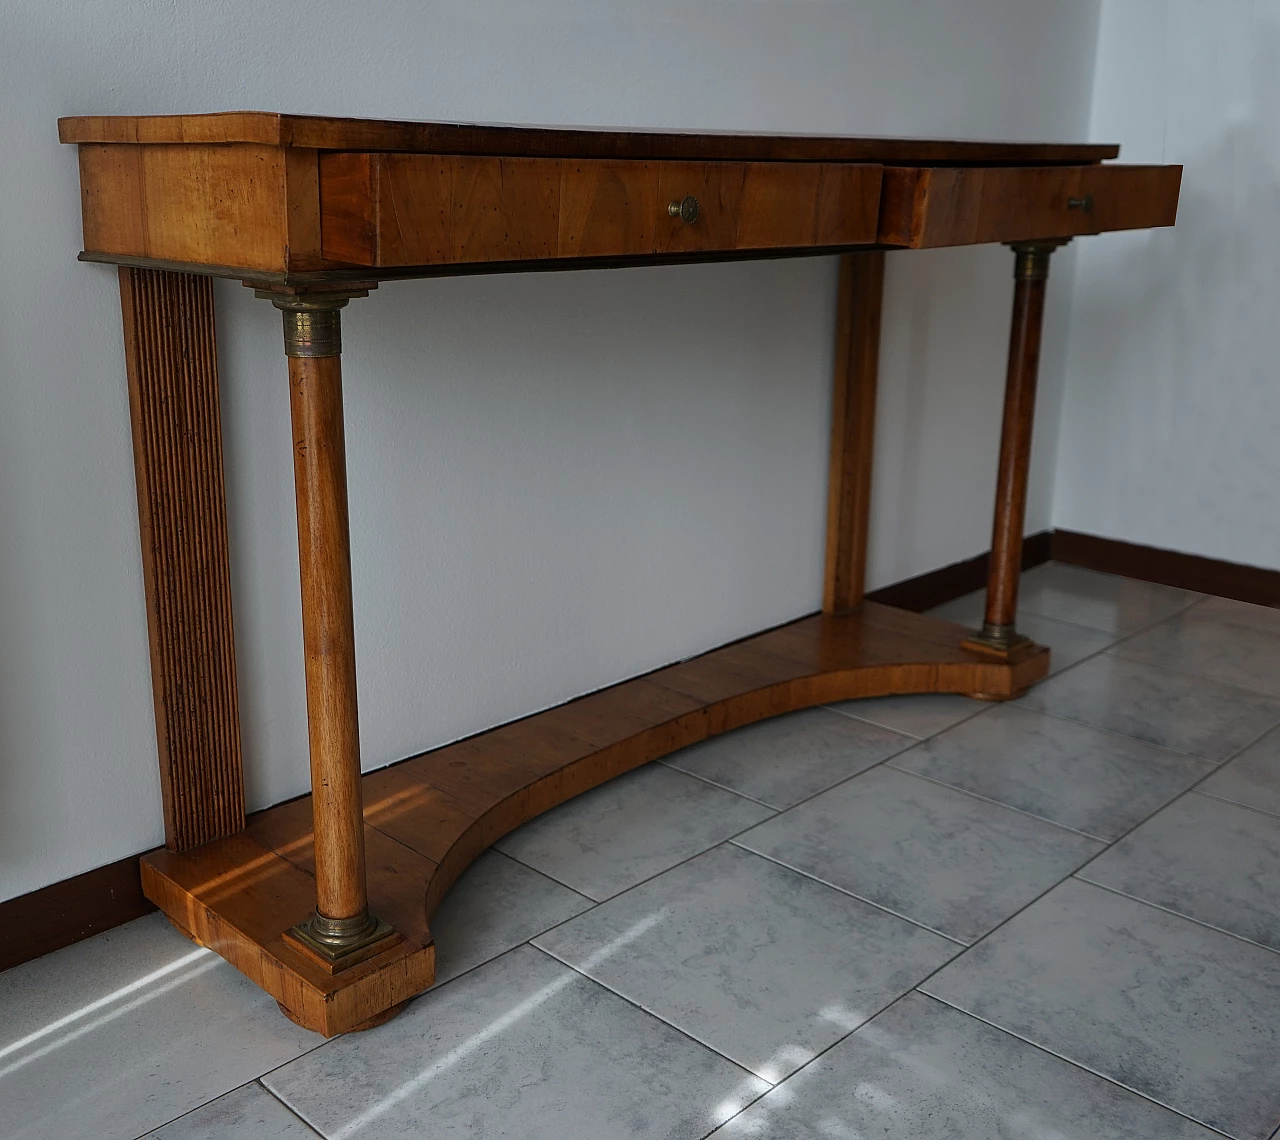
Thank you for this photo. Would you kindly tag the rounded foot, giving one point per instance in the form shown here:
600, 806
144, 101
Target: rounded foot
368, 1023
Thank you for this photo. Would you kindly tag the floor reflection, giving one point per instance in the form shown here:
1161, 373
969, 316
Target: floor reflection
495, 1028
15, 1049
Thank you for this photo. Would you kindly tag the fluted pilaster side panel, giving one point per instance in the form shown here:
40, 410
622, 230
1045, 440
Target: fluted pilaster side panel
177, 447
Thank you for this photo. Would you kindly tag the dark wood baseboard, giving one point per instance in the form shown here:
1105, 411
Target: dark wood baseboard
950, 582
62, 913
87, 904
1168, 567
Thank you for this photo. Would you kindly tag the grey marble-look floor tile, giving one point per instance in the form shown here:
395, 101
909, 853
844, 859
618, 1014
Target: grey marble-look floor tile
790, 758
763, 964
496, 905
1181, 1013
967, 610
521, 1048
1081, 777
1099, 601
946, 860
118, 1034
1252, 778
1230, 654
630, 829
1070, 644
924, 1071
1188, 714
1239, 613
1212, 861
248, 1113
920, 715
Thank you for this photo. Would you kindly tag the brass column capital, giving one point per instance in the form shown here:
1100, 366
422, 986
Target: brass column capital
1031, 260
312, 321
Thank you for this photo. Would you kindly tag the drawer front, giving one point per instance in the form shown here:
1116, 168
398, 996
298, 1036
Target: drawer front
927, 207
413, 209
769, 205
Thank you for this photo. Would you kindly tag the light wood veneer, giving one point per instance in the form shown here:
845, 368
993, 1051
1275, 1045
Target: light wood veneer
316, 210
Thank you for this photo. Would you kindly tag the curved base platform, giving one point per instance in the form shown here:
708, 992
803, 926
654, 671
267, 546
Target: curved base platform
427, 818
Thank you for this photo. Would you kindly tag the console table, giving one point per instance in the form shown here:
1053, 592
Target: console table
324, 901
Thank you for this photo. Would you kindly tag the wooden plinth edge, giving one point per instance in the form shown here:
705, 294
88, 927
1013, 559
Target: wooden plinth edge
428, 818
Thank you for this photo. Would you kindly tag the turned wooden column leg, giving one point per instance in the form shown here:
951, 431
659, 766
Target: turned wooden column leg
341, 932
1031, 272
853, 425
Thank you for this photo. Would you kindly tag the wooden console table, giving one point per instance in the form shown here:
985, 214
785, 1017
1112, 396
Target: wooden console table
324, 902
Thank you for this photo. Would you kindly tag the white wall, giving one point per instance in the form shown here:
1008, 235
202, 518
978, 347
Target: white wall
1172, 414
556, 481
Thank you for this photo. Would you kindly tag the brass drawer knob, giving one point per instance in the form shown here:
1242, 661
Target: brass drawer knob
686, 209
1085, 203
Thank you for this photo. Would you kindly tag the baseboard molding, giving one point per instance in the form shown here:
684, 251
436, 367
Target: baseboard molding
950, 582
1168, 567
62, 913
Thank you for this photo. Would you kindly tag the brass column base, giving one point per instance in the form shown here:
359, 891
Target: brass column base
995, 640
339, 943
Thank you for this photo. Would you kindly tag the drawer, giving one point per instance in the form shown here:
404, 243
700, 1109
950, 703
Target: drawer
416, 209
923, 207
769, 205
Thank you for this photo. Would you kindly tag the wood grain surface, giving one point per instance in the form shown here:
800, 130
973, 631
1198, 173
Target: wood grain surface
853, 427
395, 210
313, 131
1014, 465
923, 207
428, 818
172, 366
328, 631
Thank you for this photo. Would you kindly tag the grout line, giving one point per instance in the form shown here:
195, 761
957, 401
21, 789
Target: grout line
1197, 598
291, 1111
715, 784
540, 871
1201, 677
1075, 1064
1071, 624
1176, 913
901, 732
861, 898
730, 838
307, 1052
981, 593
681, 863
1071, 874
963, 948
1122, 735
1236, 803
1109, 652
1229, 625
817, 1056
998, 803
658, 1017
513, 859
1189, 790
886, 762
909, 742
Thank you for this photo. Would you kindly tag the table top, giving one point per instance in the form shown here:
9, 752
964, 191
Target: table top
318, 132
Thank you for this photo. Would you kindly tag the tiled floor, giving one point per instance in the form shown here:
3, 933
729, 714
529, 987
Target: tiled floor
925, 918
